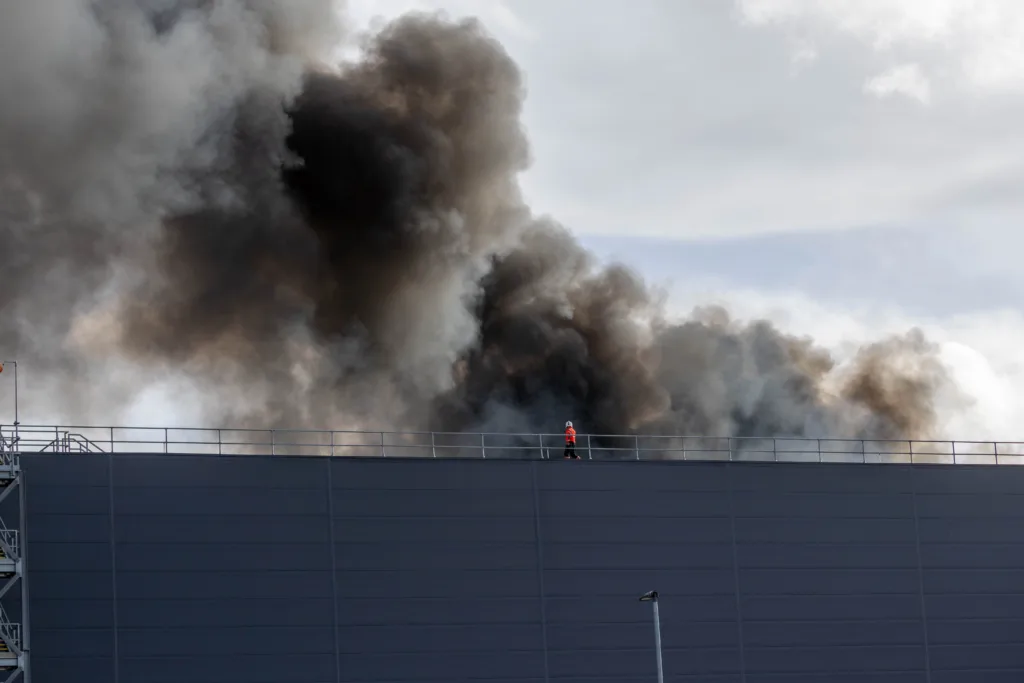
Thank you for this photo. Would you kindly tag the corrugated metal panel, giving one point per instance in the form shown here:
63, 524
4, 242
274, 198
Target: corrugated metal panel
152, 569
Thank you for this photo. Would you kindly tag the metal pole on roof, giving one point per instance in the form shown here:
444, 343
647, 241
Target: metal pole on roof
17, 421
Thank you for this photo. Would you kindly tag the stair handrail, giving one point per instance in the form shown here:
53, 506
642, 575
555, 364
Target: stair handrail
10, 632
86, 444
70, 442
9, 540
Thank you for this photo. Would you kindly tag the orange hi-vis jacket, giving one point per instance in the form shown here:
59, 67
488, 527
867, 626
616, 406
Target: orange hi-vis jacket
570, 435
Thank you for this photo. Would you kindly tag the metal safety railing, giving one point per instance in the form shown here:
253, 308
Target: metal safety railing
383, 444
10, 631
9, 446
9, 542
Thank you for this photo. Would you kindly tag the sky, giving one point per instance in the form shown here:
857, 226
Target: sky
846, 168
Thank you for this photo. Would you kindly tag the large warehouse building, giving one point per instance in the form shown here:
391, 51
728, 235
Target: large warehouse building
165, 568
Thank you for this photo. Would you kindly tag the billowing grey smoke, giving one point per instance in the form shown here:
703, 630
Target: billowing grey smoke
186, 185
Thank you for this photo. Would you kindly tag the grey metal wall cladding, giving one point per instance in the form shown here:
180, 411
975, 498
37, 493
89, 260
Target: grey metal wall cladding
162, 569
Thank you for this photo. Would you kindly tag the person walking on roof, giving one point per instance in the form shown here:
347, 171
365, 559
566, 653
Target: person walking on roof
570, 442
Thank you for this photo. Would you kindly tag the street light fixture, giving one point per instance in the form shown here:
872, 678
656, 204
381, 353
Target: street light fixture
652, 597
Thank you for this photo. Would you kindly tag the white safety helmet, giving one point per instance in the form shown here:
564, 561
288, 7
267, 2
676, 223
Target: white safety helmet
568, 424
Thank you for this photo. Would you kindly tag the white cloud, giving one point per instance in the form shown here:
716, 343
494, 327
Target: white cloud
907, 80
803, 56
979, 42
496, 14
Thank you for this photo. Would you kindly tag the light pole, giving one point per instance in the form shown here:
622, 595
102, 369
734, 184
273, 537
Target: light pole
652, 597
3, 365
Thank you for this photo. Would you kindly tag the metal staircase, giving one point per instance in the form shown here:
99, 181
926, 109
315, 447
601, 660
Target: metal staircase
14, 641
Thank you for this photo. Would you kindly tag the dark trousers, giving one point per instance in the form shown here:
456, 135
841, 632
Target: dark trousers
570, 451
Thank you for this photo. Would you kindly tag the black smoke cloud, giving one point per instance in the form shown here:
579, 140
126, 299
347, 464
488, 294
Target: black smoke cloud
191, 188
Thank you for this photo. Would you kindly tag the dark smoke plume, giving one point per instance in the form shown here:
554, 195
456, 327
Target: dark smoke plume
192, 189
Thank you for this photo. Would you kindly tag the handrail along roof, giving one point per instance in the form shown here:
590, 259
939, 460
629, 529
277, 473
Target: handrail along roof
614, 447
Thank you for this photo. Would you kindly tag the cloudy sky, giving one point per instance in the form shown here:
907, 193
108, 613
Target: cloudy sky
847, 168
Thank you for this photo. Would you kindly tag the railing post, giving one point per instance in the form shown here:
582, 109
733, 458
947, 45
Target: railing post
383, 453
483, 445
952, 446
433, 445
273, 442
910, 449
730, 448
995, 449
683, 447
775, 449
540, 444
332, 443
220, 442
590, 455
636, 444
111, 439
819, 450
165, 440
